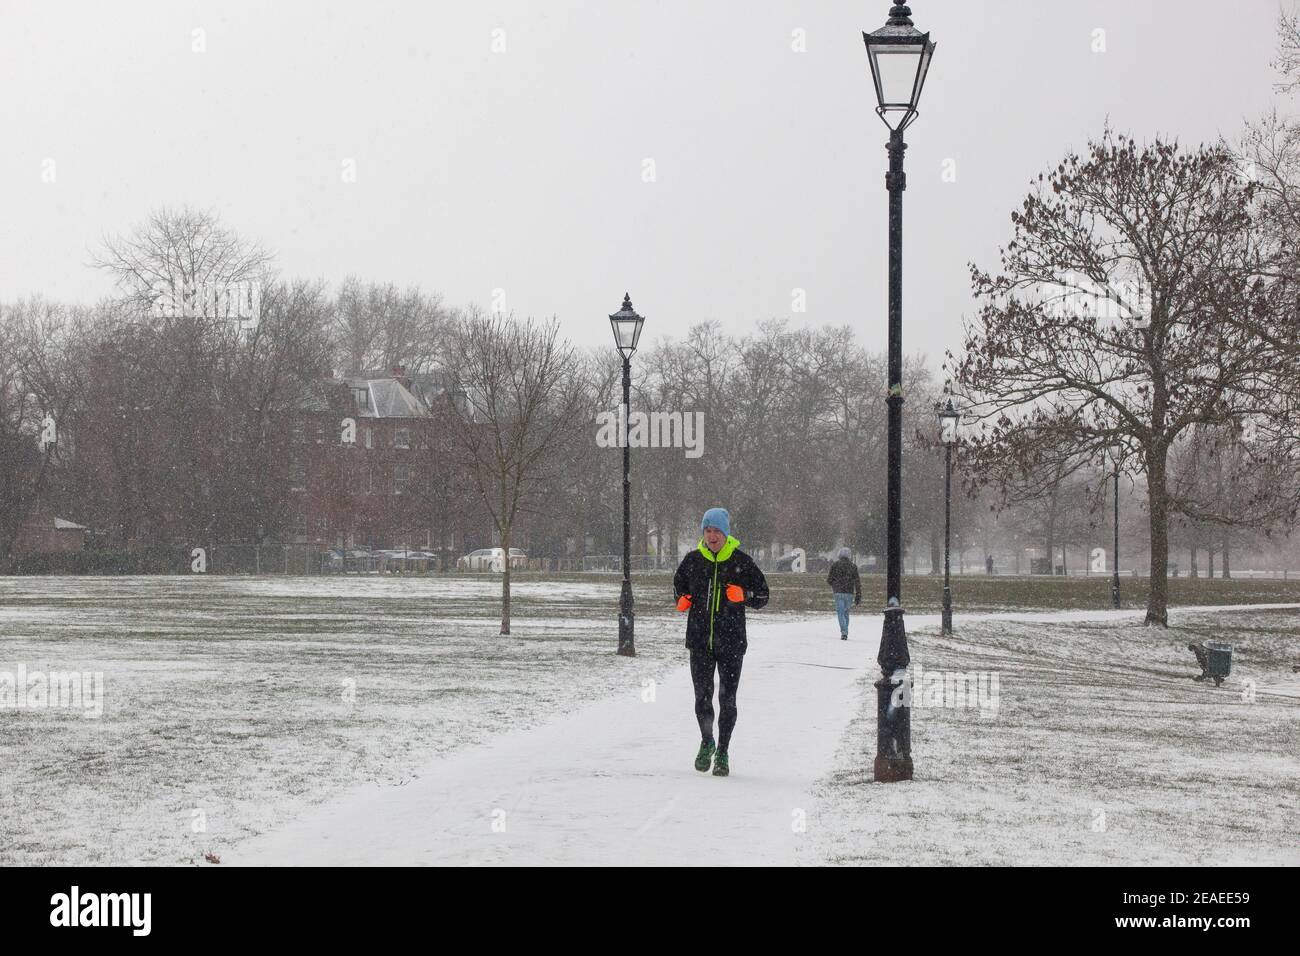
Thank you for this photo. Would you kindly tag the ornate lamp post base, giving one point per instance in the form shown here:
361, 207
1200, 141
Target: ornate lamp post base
893, 702
893, 729
626, 646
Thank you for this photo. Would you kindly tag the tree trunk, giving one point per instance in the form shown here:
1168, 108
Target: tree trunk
1158, 493
1050, 546
936, 551
1196, 571
1227, 565
644, 530
505, 529
505, 585
1210, 553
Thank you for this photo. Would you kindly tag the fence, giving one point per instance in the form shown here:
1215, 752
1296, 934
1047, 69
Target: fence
1266, 574
639, 562
306, 559
263, 559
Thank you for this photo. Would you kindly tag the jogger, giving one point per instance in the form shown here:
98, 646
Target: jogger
713, 584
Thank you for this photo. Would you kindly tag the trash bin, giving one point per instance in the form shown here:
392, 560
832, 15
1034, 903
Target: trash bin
1219, 660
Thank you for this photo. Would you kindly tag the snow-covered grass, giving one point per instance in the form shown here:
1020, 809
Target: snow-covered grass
230, 698
923, 593
1102, 751
227, 696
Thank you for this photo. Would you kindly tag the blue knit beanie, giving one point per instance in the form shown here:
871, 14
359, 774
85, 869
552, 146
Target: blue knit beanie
716, 518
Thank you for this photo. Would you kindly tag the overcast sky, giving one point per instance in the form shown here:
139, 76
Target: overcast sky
524, 169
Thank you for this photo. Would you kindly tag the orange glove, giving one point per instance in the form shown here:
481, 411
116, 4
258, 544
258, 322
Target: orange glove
684, 602
735, 593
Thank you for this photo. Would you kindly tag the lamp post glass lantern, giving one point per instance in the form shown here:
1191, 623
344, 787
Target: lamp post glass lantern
627, 328
899, 56
900, 59
949, 418
627, 333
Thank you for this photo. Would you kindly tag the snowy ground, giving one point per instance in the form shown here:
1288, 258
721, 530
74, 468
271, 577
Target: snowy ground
613, 783
1102, 751
224, 696
1097, 716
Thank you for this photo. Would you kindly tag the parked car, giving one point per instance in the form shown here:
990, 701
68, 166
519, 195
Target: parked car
795, 561
397, 559
491, 559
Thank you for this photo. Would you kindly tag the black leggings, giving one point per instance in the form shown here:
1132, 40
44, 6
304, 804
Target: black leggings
702, 667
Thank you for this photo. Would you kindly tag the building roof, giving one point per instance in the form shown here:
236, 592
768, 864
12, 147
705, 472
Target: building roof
391, 394
388, 398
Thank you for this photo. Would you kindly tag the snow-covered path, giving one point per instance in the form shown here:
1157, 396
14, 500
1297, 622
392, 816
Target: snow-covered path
614, 782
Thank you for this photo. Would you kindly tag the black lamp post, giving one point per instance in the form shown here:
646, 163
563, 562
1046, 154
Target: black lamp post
1114, 581
948, 420
900, 58
627, 332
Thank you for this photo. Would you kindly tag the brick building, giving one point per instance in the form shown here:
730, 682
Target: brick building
371, 465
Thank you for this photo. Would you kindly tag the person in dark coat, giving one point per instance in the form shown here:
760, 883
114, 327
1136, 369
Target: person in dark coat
846, 587
713, 585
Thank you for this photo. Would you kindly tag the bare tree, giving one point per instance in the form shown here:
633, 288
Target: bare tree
1125, 313
184, 263
198, 364
1288, 53
37, 387
378, 326
1269, 154
520, 403
273, 371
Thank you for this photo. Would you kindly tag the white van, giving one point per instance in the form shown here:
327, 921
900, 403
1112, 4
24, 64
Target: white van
491, 559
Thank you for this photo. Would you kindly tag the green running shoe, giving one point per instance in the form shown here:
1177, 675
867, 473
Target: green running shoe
720, 766
703, 758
